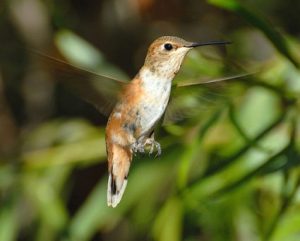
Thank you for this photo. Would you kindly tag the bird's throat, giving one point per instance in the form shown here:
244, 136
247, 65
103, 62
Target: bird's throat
155, 81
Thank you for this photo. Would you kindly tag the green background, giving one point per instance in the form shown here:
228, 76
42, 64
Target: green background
230, 149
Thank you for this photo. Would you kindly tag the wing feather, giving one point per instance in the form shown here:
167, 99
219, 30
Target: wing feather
99, 90
191, 97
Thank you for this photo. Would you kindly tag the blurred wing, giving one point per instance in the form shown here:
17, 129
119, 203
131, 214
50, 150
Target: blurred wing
99, 90
213, 81
194, 97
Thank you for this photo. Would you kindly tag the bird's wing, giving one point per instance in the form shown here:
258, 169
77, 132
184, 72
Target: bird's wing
193, 97
213, 81
99, 90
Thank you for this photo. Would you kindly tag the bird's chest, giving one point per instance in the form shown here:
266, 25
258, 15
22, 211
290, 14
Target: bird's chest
152, 105
142, 105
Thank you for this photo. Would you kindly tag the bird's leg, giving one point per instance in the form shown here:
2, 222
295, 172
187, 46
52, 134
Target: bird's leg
151, 141
138, 146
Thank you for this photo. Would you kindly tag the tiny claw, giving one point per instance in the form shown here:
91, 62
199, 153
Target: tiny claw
158, 148
151, 149
140, 146
153, 143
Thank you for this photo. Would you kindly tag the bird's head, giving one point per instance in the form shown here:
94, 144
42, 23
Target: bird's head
165, 54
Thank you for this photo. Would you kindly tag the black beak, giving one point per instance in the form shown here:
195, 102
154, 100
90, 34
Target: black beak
193, 45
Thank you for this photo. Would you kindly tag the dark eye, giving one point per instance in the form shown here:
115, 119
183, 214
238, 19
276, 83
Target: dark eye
168, 46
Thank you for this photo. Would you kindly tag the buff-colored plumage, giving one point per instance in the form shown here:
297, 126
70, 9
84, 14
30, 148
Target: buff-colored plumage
141, 105
137, 107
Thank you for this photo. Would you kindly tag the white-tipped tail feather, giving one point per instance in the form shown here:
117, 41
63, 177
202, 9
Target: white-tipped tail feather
115, 191
119, 159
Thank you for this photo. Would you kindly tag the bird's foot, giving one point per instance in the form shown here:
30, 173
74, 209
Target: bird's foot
138, 147
153, 144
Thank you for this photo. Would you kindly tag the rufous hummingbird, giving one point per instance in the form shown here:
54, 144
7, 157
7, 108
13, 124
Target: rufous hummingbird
141, 105
134, 107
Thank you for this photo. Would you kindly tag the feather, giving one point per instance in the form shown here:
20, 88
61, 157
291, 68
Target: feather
99, 90
114, 192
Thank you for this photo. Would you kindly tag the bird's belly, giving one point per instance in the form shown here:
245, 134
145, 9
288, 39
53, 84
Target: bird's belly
151, 109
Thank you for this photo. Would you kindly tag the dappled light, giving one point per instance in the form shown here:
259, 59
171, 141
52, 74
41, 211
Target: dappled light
229, 168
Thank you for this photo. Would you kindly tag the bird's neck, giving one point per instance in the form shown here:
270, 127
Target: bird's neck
147, 73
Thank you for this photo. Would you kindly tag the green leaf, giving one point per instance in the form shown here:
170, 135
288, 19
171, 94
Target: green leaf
79, 52
168, 223
81, 152
93, 214
279, 42
79, 143
8, 222
43, 193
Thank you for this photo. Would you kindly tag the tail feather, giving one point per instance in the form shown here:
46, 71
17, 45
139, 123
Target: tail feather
114, 191
119, 164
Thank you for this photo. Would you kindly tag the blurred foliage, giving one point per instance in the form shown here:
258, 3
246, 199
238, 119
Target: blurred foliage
231, 149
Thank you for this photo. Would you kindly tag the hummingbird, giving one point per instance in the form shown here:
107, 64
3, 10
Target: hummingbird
141, 104
135, 107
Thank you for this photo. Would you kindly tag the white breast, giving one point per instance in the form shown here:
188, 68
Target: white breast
157, 92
